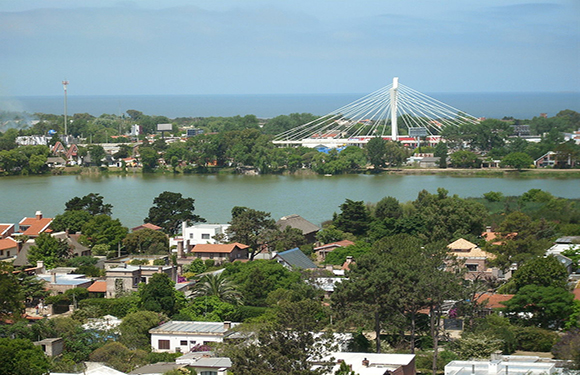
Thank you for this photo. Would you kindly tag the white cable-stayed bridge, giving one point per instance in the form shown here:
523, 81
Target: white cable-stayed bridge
383, 113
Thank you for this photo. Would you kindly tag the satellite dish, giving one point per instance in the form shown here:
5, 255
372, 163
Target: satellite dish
51, 132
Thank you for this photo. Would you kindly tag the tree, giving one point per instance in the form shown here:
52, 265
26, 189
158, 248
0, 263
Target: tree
518, 160
159, 295
22, 357
543, 306
541, 271
91, 203
477, 346
170, 210
102, 229
465, 159
388, 207
96, 153
73, 221
48, 249
118, 356
11, 296
353, 218
376, 151
395, 154
441, 153
135, 328
149, 158
251, 227
218, 285
146, 241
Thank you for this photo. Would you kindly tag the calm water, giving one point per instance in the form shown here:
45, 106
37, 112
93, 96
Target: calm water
313, 197
491, 105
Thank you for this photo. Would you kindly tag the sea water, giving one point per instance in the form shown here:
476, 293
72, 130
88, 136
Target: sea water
489, 105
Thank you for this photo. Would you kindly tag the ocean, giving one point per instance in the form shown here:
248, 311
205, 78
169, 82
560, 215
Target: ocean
489, 105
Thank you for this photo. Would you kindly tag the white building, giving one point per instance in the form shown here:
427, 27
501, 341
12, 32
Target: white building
176, 336
200, 233
506, 365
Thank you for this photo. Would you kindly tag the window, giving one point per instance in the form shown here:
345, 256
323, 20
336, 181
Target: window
208, 373
471, 267
191, 235
205, 236
183, 342
163, 344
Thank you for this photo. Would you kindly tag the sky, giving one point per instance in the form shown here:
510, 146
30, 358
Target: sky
176, 47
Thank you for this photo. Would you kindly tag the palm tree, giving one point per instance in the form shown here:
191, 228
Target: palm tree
216, 284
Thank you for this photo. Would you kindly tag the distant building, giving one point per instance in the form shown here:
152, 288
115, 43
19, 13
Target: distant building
323, 250
127, 277
294, 259
178, 336
512, 365
372, 363
221, 252
308, 229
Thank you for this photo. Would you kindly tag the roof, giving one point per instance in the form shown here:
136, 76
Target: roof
4, 228
98, 287
93, 368
379, 363
559, 248
298, 222
494, 300
156, 368
215, 362
8, 243
565, 239
177, 327
72, 240
147, 226
67, 279
218, 248
343, 243
35, 225
461, 245
295, 258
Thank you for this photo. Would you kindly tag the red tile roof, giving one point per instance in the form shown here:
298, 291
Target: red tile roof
217, 248
4, 228
343, 243
494, 300
147, 226
35, 225
98, 287
8, 243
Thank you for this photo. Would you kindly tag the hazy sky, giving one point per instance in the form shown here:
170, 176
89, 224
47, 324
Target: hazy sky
107, 47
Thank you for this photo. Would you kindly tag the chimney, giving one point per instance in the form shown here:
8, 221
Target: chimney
227, 325
40, 267
488, 229
160, 269
365, 362
38, 215
494, 367
53, 277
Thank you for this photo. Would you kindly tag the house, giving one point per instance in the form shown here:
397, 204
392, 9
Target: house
205, 363
76, 248
308, 229
6, 230
179, 336
221, 252
323, 250
564, 243
496, 237
372, 363
52, 347
202, 233
93, 368
127, 277
492, 301
55, 162
98, 289
474, 259
58, 283
294, 259
547, 160
34, 226
8, 248
512, 365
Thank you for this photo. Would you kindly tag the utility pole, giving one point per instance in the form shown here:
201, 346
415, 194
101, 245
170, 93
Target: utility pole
64, 85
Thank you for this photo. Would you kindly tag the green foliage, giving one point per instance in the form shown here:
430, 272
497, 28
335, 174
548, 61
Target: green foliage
118, 356
119, 307
102, 229
476, 346
353, 218
170, 210
568, 347
536, 195
330, 234
11, 295
251, 227
518, 160
541, 271
546, 307
91, 203
493, 196
219, 285
338, 256
257, 279
534, 339
21, 357
376, 150
209, 309
196, 266
146, 241
464, 159
159, 295
135, 328
50, 250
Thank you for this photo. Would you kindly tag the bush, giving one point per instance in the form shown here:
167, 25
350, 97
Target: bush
493, 196
534, 339
118, 307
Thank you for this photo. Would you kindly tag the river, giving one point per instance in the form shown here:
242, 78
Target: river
313, 197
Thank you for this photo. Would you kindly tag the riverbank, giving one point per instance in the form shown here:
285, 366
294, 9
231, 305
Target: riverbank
453, 172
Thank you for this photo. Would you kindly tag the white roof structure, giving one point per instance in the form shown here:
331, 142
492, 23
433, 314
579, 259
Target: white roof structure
508, 365
378, 363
